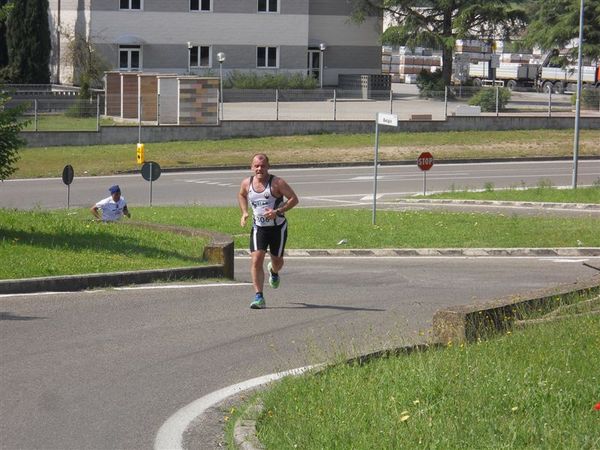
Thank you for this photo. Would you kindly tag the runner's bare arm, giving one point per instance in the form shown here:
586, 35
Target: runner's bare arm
243, 201
283, 189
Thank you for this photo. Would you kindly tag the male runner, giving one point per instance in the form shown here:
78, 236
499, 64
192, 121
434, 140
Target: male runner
266, 193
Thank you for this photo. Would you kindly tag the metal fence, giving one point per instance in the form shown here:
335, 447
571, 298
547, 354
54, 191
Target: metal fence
70, 113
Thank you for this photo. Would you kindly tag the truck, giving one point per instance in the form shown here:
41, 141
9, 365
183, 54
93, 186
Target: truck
560, 80
511, 75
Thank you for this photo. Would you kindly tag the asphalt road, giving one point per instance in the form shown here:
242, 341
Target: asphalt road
341, 186
104, 369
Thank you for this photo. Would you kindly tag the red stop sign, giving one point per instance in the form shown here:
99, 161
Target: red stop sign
425, 161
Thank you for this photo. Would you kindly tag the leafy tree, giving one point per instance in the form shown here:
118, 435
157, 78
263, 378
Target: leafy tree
10, 141
4, 10
555, 23
438, 23
28, 41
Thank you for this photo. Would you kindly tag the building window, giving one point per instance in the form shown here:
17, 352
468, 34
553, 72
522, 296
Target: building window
268, 6
200, 56
130, 4
200, 5
130, 57
267, 57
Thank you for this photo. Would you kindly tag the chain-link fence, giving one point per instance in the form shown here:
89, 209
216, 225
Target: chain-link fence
71, 113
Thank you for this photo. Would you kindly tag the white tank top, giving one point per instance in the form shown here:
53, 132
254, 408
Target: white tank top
260, 201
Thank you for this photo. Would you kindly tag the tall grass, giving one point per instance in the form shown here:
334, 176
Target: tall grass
530, 389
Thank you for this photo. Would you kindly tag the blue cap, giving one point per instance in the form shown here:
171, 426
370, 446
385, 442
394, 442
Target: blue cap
114, 189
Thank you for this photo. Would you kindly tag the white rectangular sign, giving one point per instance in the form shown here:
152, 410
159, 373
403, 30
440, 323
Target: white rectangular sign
387, 119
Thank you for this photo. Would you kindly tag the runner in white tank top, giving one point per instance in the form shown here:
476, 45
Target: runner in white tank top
270, 198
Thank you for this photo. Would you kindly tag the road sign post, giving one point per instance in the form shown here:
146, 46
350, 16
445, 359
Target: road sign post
381, 119
425, 162
67, 177
151, 172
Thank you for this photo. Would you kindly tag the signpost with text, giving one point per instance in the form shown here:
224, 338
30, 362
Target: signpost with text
390, 120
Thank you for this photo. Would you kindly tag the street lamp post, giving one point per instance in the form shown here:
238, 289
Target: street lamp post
322, 47
189, 45
221, 59
578, 98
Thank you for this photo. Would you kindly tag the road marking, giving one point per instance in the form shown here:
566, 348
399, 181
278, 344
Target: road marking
128, 288
170, 434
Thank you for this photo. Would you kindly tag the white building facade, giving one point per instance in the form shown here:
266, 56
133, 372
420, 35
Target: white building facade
314, 37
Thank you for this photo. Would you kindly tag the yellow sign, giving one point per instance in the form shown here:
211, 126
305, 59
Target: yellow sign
140, 154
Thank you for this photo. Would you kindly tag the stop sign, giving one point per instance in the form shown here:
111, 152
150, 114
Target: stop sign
425, 161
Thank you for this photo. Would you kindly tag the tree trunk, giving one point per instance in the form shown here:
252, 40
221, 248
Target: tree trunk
448, 47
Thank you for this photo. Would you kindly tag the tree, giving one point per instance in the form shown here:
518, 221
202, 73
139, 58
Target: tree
28, 41
439, 23
4, 10
555, 23
10, 141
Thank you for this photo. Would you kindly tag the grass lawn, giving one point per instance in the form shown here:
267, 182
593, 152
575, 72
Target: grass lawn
34, 244
588, 194
534, 388
313, 228
92, 160
62, 242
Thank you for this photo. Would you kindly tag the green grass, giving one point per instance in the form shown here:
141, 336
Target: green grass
37, 243
324, 228
534, 388
588, 194
40, 243
340, 148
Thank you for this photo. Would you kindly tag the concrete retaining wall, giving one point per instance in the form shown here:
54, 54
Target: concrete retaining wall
260, 128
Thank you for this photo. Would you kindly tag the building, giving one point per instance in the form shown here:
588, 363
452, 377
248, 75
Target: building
315, 37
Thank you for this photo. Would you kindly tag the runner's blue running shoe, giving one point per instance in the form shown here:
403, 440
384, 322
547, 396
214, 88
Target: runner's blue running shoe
273, 277
259, 302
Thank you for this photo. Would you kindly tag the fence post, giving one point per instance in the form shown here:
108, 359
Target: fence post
158, 110
35, 114
497, 98
277, 104
97, 112
334, 104
391, 101
550, 102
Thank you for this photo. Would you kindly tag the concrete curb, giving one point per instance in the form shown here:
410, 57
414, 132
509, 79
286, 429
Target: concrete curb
456, 324
464, 252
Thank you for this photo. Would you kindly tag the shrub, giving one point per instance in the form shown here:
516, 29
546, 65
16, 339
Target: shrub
252, 80
590, 98
430, 84
486, 98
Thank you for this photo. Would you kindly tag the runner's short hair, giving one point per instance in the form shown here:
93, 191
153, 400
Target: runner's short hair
261, 156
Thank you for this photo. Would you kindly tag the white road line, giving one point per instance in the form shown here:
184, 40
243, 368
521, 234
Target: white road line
170, 434
128, 288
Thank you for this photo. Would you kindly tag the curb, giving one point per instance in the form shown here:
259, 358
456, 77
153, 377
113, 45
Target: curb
446, 252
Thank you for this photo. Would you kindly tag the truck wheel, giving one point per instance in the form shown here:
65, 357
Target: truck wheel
477, 82
547, 87
511, 84
559, 87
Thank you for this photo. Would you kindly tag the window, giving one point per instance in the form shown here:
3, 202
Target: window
267, 57
268, 5
130, 57
130, 4
200, 56
200, 5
